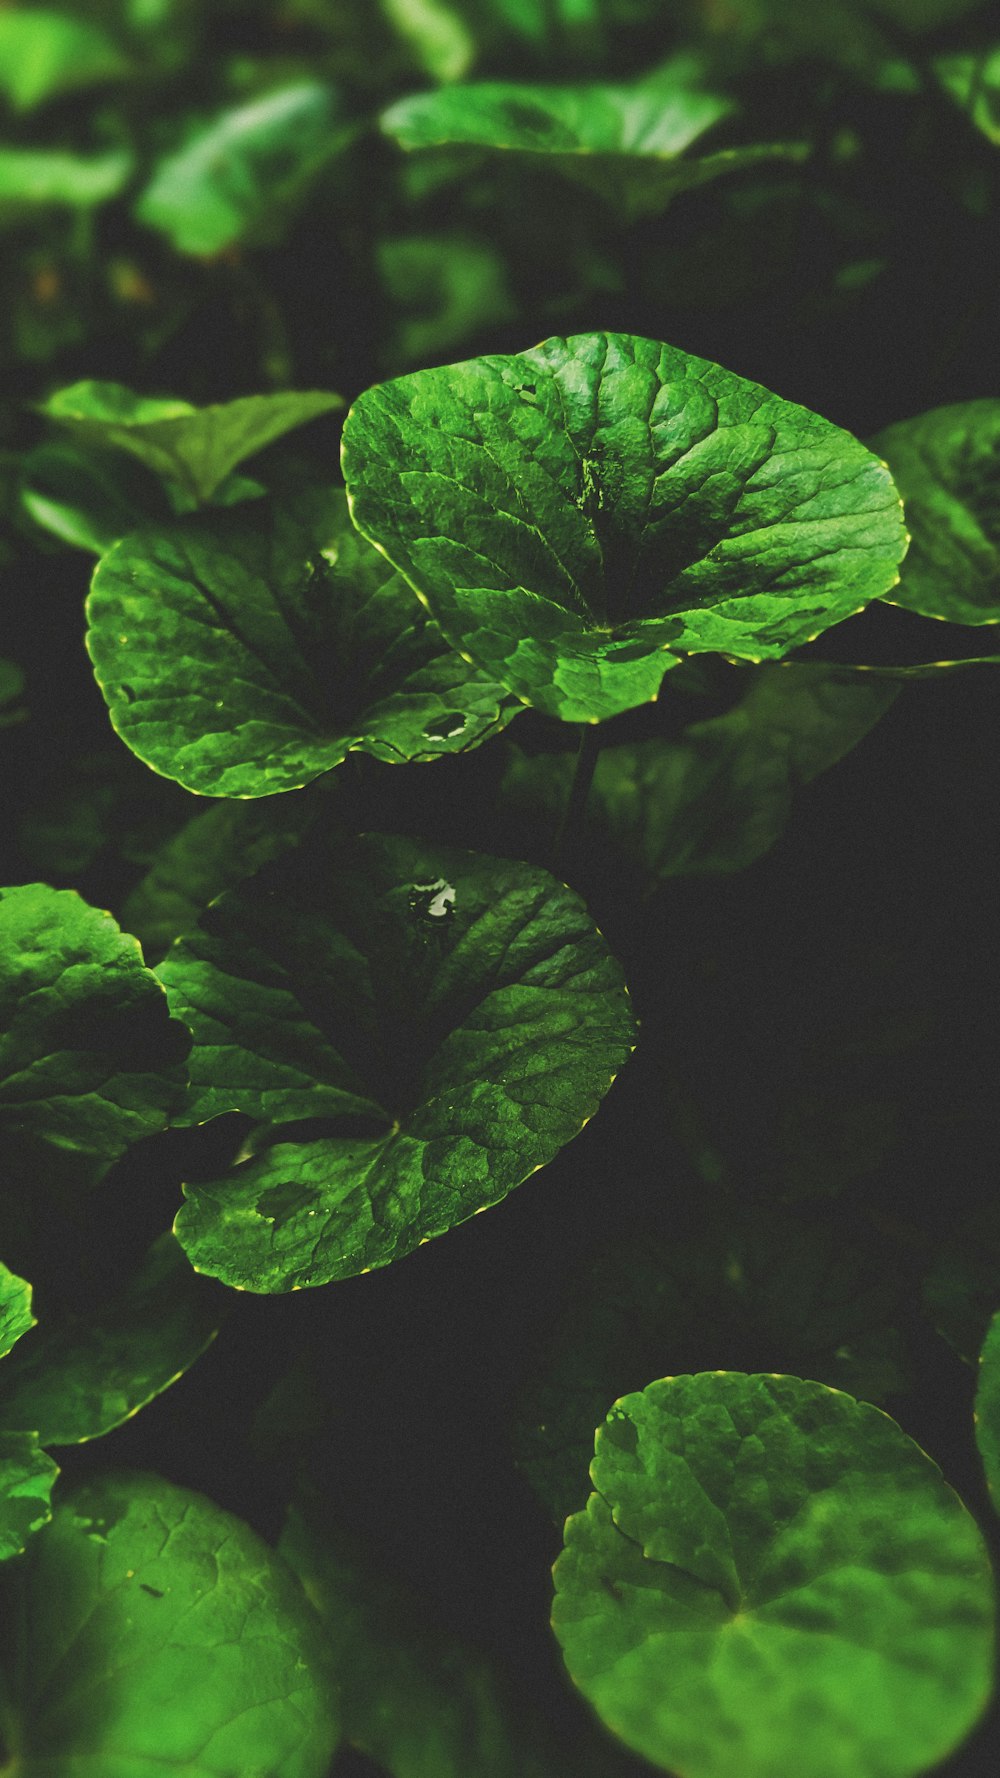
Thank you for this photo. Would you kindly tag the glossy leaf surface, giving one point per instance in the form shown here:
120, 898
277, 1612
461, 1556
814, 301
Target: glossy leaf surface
15, 1309
82, 1375
946, 465
572, 513
90, 1060
150, 1632
454, 1020
195, 447
771, 1577
247, 655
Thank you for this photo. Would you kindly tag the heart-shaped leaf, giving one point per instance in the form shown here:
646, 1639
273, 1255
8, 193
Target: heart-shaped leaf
149, 1632
243, 657
946, 465
772, 1578
572, 513
988, 1409
454, 1020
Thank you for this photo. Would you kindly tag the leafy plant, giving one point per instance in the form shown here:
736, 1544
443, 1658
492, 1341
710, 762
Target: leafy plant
499, 530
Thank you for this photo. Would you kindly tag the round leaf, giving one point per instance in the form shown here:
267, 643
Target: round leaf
457, 1018
772, 1578
90, 1060
988, 1409
156, 1633
571, 513
242, 659
946, 465
26, 1477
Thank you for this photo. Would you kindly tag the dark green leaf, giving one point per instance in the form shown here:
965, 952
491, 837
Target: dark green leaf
237, 176
243, 657
82, 1375
772, 1578
194, 447
988, 1409
11, 687
82, 497
26, 1477
15, 1309
150, 1632
46, 53
90, 1060
444, 287
946, 465
458, 1017
572, 513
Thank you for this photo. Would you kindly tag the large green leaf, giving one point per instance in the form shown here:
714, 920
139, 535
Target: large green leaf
37, 178
90, 1060
15, 1310
236, 177
772, 1578
243, 656
194, 447
80, 1375
571, 513
988, 1409
718, 798
27, 1474
625, 142
456, 1018
45, 53
946, 465
149, 1632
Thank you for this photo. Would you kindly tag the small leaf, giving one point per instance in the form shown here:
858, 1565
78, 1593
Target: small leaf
43, 54
573, 513
456, 1018
37, 178
83, 498
988, 1409
151, 1632
236, 177
194, 447
26, 1477
15, 1310
243, 657
946, 465
82, 1375
772, 1578
11, 688
972, 79
90, 1060
437, 33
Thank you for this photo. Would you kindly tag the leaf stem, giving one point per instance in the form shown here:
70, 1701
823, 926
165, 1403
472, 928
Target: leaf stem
570, 826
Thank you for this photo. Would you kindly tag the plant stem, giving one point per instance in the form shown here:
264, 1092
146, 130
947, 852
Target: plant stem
571, 825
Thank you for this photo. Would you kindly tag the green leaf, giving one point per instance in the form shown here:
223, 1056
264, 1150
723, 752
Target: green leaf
82, 497
11, 688
972, 79
438, 35
572, 513
237, 176
772, 1578
988, 1409
82, 1375
26, 1477
458, 1019
624, 142
15, 1309
718, 798
444, 287
37, 178
196, 448
43, 54
946, 465
243, 657
90, 1060
150, 1632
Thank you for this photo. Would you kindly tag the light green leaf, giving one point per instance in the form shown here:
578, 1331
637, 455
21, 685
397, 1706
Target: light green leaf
15, 1309
988, 1409
44, 53
625, 142
247, 656
26, 1477
438, 35
82, 1375
718, 798
573, 513
772, 1578
194, 447
90, 1060
36, 178
237, 176
972, 79
946, 465
149, 1632
456, 1018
